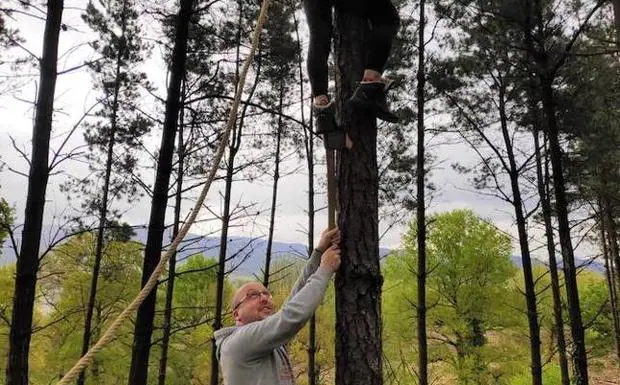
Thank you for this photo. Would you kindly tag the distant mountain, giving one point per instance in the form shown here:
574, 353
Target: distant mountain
247, 255
588, 264
244, 254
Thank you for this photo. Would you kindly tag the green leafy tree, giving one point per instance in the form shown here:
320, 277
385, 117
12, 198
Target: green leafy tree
64, 286
597, 313
399, 337
7, 284
469, 268
192, 312
486, 101
116, 132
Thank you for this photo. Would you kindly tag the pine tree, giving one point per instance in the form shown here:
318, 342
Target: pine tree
119, 125
421, 305
485, 97
28, 260
358, 282
146, 313
545, 63
278, 61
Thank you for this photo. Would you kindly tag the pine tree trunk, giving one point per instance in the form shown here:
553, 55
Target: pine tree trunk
614, 250
609, 274
146, 313
233, 148
221, 269
358, 282
165, 342
545, 77
421, 205
553, 267
528, 279
96, 334
614, 261
28, 259
579, 356
274, 193
103, 210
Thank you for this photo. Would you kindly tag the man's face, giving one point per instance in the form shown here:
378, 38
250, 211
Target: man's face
252, 303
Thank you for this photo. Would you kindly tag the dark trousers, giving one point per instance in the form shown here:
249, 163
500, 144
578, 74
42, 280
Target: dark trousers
383, 23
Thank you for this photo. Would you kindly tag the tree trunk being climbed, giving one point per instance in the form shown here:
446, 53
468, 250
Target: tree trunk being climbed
28, 259
358, 282
144, 321
553, 266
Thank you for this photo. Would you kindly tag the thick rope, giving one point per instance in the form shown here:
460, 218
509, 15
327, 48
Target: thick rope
110, 334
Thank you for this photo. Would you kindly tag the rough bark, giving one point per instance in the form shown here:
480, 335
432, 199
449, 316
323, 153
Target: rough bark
553, 266
358, 282
616, 5
28, 259
421, 206
144, 321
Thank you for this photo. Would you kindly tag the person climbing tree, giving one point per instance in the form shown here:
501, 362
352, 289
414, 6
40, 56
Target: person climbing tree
253, 351
383, 22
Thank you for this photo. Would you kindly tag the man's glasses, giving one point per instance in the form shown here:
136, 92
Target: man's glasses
253, 295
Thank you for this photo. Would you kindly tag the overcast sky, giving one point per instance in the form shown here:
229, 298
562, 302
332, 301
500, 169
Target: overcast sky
74, 95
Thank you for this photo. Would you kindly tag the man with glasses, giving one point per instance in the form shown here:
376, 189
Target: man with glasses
253, 352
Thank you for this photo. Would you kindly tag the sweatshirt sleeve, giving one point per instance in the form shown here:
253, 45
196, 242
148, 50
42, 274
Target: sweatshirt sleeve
311, 266
258, 338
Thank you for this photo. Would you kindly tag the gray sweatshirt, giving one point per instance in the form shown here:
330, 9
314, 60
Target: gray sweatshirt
255, 354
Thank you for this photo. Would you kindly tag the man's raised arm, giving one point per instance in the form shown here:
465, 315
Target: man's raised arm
329, 237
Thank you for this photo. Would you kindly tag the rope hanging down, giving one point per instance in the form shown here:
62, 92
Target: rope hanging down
110, 334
